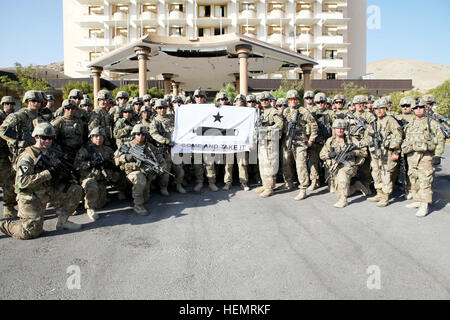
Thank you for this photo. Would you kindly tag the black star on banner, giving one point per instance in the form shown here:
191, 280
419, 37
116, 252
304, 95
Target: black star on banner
218, 117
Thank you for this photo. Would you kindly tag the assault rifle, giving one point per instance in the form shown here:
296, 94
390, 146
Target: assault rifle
377, 140
341, 157
324, 130
360, 121
99, 162
137, 152
293, 129
445, 129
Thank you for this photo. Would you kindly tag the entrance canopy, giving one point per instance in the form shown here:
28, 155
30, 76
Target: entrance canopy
206, 62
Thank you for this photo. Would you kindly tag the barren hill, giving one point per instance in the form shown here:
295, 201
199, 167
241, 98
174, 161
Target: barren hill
425, 75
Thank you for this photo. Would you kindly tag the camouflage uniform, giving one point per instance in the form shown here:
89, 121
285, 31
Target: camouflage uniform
269, 134
299, 152
7, 175
69, 134
161, 130
381, 163
36, 186
345, 172
101, 118
122, 130
421, 148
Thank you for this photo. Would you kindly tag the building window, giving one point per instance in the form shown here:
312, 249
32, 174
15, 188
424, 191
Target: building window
176, 31
220, 11
330, 31
95, 55
177, 7
204, 11
248, 6
96, 34
96, 10
331, 76
149, 30
218, 31
330, 54
120, 8
204, 32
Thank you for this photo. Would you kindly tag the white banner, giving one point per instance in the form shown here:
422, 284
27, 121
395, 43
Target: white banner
205, 128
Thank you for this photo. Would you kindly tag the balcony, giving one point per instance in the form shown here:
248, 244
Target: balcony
119, 40
275, 14
118, 19
90, 44
147, 18
305, 38
248, 16
91, 20
177, 17
335, 40
278, 39
213, 22
331, 63
333, 18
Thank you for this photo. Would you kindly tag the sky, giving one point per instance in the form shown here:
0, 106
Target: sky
32, 31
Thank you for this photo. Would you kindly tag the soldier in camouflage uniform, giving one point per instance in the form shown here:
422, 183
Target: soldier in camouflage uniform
423, 146
370, 102
324, 119
161, 130
281, 105
384, 138
22, 123
39, 182
222, 99
139, 177
7, 174
430, 100
308, 100
124, 125
305, 135
270, 126
121, 99
69, 130
95, 163
344, 172
101, 118
137, 105
251, 100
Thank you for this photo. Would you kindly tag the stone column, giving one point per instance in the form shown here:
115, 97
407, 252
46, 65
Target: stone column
175, 88
167, 82
306, 69
96, 73
142, 53
243, 52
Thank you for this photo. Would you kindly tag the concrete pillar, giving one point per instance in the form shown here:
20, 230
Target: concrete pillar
142, 53
306, 69
236, 82
96, 73
167, 82
175, 88
243, 52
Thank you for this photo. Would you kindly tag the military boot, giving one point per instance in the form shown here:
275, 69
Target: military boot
212, 186
341, 203
367, 186
64, 223
245, 187
288, 185
384, 200
92, 214
266, 193
260, 189
413, 205
314, 185
140, 210
227, 186
198, 187
180, 188
9, 213
362, 188
423, 210
302, 195
164, 192
377, 197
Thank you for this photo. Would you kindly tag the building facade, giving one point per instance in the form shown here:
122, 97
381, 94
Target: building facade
332, 32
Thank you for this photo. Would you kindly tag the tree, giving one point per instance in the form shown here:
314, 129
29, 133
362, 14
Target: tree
84, 86
350, 90
133, 91
27, 79
442, 94
287, 85
230, 91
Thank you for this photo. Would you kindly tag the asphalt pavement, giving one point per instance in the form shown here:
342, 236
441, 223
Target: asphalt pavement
235, 245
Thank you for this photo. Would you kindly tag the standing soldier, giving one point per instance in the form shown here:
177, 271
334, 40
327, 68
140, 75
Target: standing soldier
343, 171
423, 145
303, 127
137, 106
222, 99
136, 171
16, 129
270, 126
384, 138
308, 100
281, 105
161, 130
7, 174
101, 118
251, 101
338, 106
49, 108
39, 181
121, 99
69, 130
95, 162
370, 102
324, 119
240, 100
124, 125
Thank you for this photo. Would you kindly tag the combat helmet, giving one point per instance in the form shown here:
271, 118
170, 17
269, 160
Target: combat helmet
43, 129
281, 102
407, 101
8, 99
339, 97
222, 95
292, 94
68, 102
50, 97
320, 97
103, 95
32, 95
339, 124
429, 99
146, 97
75, 93
380, 103
240, 97
139, 128
97, 131
160, 103
251, 98
308, 94
122, 94
359, 99
199, 93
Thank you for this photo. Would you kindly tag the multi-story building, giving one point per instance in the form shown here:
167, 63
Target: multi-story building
332, 32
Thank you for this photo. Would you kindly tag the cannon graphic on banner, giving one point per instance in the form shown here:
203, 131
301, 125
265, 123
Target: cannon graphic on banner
210, 131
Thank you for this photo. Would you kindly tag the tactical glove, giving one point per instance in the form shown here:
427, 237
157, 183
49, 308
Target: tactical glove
332, 154
350, 155
436, 161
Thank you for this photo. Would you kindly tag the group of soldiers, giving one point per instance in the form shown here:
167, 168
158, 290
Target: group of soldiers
57, 157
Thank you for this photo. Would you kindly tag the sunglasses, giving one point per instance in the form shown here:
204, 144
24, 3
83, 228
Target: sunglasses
309, 98
406, 105
161, 108
146, 100
126, 111
419, 107
45, 138
140, 134
339, 101
264, 100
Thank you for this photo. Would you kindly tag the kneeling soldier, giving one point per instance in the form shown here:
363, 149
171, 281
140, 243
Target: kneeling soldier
41, 179
133, 158
343, 158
